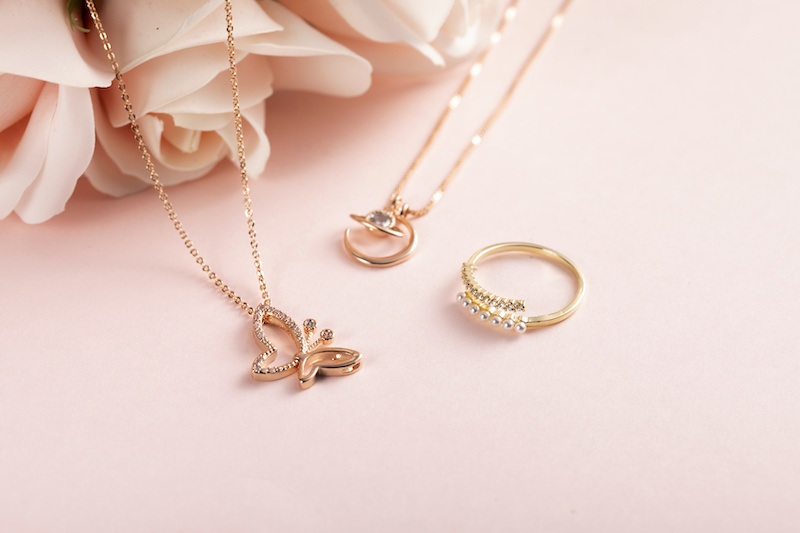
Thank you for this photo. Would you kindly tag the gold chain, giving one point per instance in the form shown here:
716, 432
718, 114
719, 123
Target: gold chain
455, 100
162, 194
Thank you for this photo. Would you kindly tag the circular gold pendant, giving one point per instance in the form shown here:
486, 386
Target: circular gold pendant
384, 224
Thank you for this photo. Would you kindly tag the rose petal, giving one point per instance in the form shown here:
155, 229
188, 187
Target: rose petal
469, 25
414, 22
393, 58
385, 20
67, 137
323, 16
202, 121
256, 142
119, 145
249, 19
255, 85
63, 57
418, 40
138, 30
18, 96
181, 154
165, 79
304, 59
158, 130
105, 176
24, 148
141, 31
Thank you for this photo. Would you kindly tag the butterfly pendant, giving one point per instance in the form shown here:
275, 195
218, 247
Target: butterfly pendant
311, 357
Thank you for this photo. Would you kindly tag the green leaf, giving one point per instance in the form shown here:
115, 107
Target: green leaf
74, 21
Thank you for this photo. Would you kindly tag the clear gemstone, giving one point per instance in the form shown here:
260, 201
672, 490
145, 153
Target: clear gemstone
260, 365
380, 219
326, 334
310, 324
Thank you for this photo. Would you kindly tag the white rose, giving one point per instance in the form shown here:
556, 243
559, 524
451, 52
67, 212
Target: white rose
175, 64
46, 121
404, 36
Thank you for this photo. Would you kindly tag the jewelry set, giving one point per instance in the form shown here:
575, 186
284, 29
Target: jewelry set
315, 356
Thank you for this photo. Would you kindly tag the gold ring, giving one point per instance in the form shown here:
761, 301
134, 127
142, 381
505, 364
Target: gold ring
505, 312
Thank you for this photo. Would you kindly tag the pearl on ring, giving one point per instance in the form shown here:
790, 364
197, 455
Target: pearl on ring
460, 296
508, 324
520, 327
496, 321
484, 316
466, 302
473, 309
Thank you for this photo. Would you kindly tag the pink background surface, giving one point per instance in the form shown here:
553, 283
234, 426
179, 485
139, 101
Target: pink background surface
655, 143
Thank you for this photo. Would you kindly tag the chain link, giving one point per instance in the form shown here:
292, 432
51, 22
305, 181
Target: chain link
157, 185
474, 70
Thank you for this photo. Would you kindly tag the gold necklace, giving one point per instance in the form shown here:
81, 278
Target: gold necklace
387, 221
311, 358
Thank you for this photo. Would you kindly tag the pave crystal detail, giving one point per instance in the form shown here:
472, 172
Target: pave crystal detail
485, 298
310, 358
261, 363
266, 314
